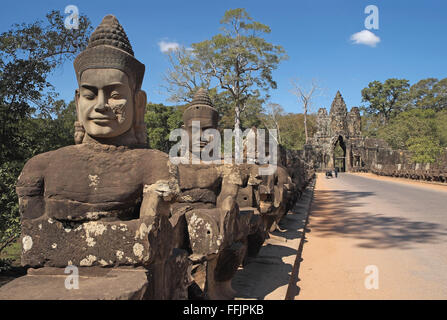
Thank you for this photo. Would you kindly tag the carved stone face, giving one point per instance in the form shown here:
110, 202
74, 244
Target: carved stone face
105, 102
205, 123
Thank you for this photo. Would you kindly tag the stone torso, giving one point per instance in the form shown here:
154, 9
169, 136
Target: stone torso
88, 181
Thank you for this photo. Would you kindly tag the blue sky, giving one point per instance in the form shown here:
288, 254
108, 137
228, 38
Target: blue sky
315, 34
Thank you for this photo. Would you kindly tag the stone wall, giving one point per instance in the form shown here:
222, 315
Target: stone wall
397, 163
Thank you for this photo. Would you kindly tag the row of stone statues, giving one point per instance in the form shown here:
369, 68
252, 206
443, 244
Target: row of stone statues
110, 202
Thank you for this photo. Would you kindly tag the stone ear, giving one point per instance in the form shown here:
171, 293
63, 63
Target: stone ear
77, 102
79, 131
140, 100
140, 110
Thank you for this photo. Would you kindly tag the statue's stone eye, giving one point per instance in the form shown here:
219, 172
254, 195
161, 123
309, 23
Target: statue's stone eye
116, 95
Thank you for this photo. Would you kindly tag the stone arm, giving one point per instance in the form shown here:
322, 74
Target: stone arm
30, 188
232, 180
157, 198
160, 185
228, 190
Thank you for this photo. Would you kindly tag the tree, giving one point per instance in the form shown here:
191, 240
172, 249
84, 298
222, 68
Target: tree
293, 136
28, 55
237, 60
306, 99
224, 103
424, 149
240, 59
418, 120
415, 123
441, 127
273, 116
161, 120
421, 94
427, 94
185, 75
371, 125
440, 95
385, 99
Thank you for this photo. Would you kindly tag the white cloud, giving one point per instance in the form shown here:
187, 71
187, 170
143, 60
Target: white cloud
365, 37
166, 46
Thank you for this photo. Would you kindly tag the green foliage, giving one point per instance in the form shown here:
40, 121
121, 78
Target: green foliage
5, 264
441, 127
160, 121
371, 125
252, 115
385, 99
427, 94
424, 149
238, 62
291, 126
240, 59
37, 135
409, 124
416, 118
9, 218
32, 121
10, 256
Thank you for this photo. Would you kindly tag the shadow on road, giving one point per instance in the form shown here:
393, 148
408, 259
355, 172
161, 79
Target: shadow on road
272, 268
264, 274
336, 218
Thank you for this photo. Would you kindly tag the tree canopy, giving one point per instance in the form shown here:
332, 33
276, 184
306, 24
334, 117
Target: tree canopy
415, 116
237, 61
385, 99
32, 119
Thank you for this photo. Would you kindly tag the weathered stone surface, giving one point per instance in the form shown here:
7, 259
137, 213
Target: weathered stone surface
48, 242
94, 284
197, 195
108, 202
169, 279
89, 182
211, 229
221, 270
245, 197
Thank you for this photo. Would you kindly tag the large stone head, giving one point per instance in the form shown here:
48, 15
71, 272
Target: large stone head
201, 110
109, 102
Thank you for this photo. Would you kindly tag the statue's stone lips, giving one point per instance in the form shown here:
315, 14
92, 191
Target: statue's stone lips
100, 120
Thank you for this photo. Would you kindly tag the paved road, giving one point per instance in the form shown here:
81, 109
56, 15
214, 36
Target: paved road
357, 222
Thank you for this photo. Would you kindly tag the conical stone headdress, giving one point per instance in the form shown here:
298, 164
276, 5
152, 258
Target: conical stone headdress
201, 107
109, 47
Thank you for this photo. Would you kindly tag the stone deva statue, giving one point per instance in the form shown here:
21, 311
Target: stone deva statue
138, 226
202, 111
207, 198
230, 204
109, 102
104, 201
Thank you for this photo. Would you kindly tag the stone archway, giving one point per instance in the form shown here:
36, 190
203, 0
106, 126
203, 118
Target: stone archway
339, 153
